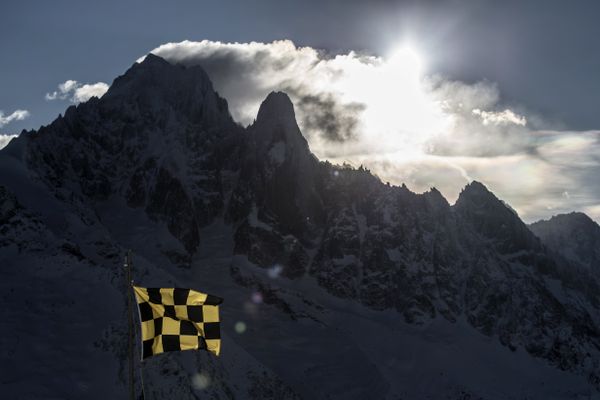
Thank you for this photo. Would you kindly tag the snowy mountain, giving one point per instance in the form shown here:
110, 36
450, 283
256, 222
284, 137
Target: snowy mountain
335, 284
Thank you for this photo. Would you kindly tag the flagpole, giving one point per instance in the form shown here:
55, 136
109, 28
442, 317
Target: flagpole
129, 285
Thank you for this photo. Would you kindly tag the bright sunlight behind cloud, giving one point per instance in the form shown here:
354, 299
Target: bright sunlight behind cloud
406, 127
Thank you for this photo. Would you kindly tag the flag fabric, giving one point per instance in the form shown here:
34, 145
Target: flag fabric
174, 319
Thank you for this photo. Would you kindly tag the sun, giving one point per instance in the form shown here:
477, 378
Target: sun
407, 60
401, 113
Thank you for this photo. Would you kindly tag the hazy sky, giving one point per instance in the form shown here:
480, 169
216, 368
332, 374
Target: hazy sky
535, 60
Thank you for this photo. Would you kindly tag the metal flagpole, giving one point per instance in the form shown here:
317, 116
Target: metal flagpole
130, 317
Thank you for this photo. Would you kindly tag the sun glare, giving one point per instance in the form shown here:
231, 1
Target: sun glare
407, 59
401, 114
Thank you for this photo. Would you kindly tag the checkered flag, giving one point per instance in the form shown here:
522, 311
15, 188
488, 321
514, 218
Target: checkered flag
175, 319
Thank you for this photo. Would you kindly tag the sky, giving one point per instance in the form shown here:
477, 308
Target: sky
427, 93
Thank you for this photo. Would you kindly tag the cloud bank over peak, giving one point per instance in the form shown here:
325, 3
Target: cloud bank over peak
350, 102
76, 92
406, 127
245, 73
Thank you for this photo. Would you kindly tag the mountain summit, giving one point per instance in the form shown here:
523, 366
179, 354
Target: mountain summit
575, 235
276, 121
277, 107
156, 86
495, 219
372, 290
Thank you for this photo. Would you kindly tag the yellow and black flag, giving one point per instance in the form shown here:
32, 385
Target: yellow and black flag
175, 319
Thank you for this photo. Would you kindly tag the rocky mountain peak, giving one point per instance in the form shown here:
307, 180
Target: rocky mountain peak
494, 219
276, 121
435, 198
575, 235
476, 189
476, 198
154, 85
279, 167
277, 107
479, 199
152, 60
571, 219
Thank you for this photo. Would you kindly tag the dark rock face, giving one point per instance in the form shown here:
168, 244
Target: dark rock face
162, 140
575, 236
268, 248
158, 126
18, 227
8, 205
159, 89
278, 173
168, 198
494, 220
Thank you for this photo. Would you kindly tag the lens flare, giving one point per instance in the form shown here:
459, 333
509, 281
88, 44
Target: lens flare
240, 327
201, 381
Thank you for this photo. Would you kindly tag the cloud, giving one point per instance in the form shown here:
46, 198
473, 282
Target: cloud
4, 139
76, 92
64, 90
500, 118
87, 91
325, 117
17, 115
405, 127
245, 73
370, 104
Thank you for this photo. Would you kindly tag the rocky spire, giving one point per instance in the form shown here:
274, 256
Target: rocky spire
277, 107
276, 121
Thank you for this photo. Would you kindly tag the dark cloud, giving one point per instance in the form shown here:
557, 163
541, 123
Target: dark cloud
332, 120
